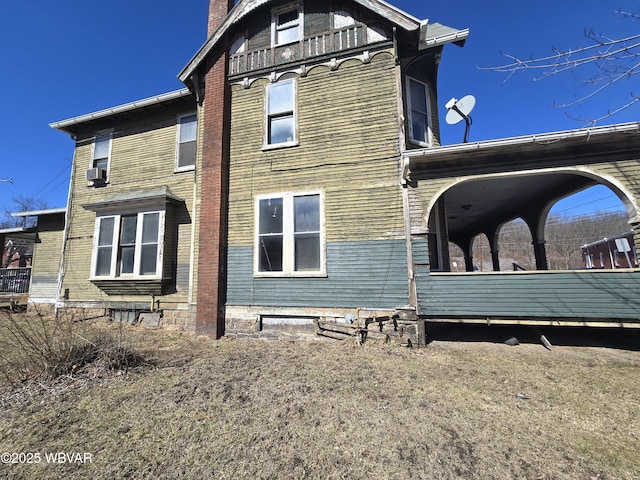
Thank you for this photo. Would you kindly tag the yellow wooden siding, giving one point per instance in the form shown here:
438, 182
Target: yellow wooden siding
142, 156
348, 147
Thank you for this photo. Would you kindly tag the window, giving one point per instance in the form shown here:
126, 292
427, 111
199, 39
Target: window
418, 101
128, 245
281, 115
101, 152
290, 235
187, 135
286, 25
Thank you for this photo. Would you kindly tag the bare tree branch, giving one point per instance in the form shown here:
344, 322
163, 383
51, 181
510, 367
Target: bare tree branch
606, 61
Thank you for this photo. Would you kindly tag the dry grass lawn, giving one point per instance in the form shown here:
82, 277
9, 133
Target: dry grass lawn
330, 410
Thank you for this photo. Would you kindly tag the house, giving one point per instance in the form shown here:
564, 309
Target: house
300, 178
320, 96
29, 272
129, 243
618, 251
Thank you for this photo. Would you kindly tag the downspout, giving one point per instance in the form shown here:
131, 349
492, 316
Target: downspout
61, 270
195, 205
404, 176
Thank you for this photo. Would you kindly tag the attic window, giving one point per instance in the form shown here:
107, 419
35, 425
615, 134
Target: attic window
286, 25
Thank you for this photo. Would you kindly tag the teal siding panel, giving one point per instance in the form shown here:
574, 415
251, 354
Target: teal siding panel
359, 274
580, 294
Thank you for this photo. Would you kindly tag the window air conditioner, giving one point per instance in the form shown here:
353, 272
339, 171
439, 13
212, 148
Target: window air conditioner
96, 174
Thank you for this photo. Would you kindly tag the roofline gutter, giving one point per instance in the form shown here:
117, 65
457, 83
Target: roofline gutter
63, 125
36, 213
552, 137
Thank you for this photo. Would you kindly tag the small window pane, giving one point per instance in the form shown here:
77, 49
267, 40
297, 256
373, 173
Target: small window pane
128, 230
270, 255
418, 96
103, 261
101, 147
271, 216
280, 97
150, 225
307, 213
148, 260
287, 18
187, 154
288, 35
307, 252
127, 255
419, 126
188, 128
105, 237
281, 129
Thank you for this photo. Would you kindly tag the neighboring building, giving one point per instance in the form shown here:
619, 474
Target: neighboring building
609, 253
300, 177
129, 244
31, 260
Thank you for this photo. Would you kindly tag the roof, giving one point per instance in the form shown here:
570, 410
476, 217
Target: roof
561, 140
39, 213
68, 126
139, 197
433, 35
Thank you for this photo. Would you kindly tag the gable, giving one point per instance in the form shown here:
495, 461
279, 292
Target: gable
243, 8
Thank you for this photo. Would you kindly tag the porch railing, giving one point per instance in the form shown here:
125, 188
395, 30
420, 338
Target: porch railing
15, 280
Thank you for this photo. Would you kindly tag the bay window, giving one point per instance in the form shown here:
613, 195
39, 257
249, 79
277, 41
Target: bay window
128, 245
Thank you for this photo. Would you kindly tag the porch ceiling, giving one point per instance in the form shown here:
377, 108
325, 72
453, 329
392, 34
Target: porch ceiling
481, 205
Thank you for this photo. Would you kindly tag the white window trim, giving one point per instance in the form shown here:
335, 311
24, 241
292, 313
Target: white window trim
187, 168
102, 133
274, 23
288, 237
429, 141
295, 141
115, 242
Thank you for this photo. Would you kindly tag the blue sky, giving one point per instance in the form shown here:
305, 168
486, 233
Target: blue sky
70, 57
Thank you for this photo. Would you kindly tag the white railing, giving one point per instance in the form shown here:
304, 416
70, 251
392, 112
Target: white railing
15, 280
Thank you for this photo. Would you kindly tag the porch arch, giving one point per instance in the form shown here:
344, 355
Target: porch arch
482, 204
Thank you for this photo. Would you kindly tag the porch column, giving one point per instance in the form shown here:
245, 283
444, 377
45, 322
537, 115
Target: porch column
493, 244
540, 252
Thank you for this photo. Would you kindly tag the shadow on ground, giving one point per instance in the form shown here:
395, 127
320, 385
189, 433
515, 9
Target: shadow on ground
623, 339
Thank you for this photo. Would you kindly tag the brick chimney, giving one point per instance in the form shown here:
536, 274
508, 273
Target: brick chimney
218, 9
210, 319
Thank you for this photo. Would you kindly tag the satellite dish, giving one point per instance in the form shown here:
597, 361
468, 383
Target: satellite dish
459, 110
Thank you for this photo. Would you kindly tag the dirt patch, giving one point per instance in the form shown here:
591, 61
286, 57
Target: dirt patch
280, 409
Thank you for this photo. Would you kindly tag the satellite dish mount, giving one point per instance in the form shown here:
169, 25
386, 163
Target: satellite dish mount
459, 110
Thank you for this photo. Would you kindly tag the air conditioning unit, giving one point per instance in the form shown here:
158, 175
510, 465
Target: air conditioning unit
96, 174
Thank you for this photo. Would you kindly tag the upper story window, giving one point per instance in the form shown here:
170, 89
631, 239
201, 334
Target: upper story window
290, 238
99, 168
128, 245
281, 113
286, 24
187, 142
419, 114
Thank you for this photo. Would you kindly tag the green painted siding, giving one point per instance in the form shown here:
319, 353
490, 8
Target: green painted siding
348, 150
359, 274
602, 294
142, 157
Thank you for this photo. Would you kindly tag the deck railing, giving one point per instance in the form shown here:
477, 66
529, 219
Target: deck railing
313, 46
15, 280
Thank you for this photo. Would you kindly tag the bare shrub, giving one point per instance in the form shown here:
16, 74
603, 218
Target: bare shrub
35, 346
